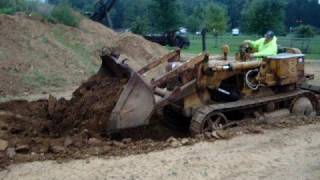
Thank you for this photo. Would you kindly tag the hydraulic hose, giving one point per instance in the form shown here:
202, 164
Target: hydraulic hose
250, 84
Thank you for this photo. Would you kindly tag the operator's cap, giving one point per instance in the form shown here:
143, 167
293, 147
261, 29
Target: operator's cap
269, 35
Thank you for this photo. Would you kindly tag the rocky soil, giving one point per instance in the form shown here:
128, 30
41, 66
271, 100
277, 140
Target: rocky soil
289, 153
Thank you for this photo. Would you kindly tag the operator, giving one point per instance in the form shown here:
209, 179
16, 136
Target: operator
266, 46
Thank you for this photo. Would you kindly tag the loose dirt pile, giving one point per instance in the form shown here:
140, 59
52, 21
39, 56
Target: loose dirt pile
50, 126
37, 56
88, 110
90, 107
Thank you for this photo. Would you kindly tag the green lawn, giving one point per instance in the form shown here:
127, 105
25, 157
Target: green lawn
214, 45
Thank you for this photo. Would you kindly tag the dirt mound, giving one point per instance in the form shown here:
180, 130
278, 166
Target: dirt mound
38, 57
137, 50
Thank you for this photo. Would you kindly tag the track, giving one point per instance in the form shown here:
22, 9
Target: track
287, 98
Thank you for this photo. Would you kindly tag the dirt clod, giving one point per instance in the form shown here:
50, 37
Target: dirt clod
185, 141
11, 152
106, 149
223, 134
255, 130
3, 145
215, 135
127, 140
68, 141
118, 144
56, 149
207, 135
94, 142
174, 142
23, 149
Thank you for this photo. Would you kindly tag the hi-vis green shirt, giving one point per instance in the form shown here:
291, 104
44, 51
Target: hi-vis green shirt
263, 50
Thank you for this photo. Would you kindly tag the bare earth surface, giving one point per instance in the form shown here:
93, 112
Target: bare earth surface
276, 154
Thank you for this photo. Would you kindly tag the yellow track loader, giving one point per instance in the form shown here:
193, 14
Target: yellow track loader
206, 94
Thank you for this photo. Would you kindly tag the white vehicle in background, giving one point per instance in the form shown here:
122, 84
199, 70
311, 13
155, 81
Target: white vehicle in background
183, 31
235, 32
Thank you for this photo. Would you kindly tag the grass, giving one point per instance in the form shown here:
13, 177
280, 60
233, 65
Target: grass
2, 55
214, 45
82, 59
79, 49
38, 80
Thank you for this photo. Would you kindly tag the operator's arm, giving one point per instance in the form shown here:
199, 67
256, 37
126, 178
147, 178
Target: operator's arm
270, 50
254, 44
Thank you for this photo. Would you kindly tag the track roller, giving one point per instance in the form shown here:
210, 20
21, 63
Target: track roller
202, 123
303, 107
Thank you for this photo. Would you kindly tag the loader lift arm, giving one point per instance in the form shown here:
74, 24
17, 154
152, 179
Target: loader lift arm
101, 12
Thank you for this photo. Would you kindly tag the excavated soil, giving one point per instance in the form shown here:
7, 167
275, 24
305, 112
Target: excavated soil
35, 127
88, 110
90, 107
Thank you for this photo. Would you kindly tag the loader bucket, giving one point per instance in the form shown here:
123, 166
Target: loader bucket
136, 102
112, 67
135, 105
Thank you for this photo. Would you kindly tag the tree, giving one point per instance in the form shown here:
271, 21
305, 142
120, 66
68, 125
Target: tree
64, 14
12, 6
234, 8
216, 19
211, 16
80, 5
165, 15
125, 12
305, 31
55, 2
302, 12
264, 15
195, 22
139, 25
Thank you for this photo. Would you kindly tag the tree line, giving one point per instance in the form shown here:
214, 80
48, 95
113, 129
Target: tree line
251, 16
217, 16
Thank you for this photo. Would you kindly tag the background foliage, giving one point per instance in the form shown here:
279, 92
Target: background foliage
152, 16
264, 15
